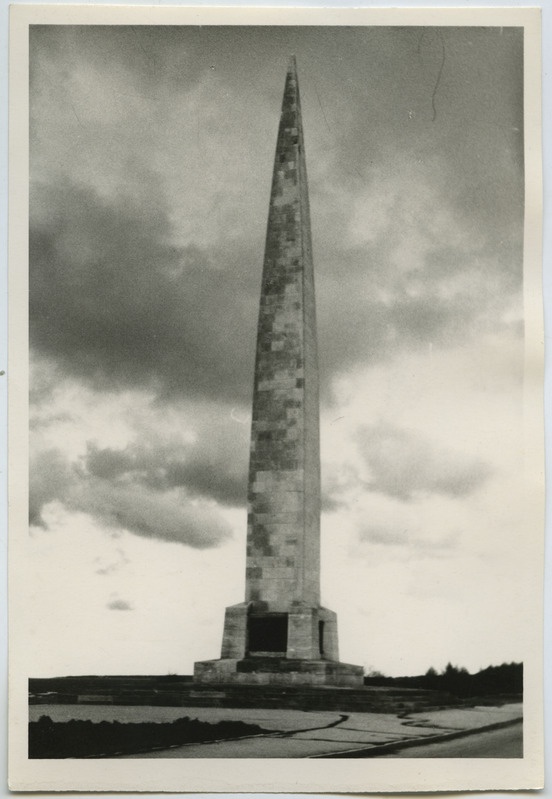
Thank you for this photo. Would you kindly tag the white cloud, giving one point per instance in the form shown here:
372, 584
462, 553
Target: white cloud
404, 464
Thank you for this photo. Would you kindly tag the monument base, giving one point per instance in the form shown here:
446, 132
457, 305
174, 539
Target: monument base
278, 671
293, 645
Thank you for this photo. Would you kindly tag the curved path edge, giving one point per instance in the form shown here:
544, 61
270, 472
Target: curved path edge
395, 746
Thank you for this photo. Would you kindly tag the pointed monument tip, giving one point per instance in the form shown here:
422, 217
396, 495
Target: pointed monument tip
292, 65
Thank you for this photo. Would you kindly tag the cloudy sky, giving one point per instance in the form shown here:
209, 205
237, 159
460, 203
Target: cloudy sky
151, 160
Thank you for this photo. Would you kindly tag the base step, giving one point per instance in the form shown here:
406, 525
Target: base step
278, 671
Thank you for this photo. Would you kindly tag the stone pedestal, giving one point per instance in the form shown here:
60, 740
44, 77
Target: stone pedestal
295, 648
301, 633
278, 671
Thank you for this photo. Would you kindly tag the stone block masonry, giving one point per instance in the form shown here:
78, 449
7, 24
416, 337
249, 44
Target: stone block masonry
283, 539
281, 623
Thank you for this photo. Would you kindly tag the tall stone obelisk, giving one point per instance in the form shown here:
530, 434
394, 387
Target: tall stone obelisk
283, 542
281, 634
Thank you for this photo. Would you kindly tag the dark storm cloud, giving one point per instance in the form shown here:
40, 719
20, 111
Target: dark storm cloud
434, 257
405, 465
423, 309
150, 55
215, 467
49, 476
114, 304
425, 92
443, 194
151, 514
118, 306
116, 504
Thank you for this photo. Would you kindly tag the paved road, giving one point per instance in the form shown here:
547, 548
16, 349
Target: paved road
296, 734
506, 742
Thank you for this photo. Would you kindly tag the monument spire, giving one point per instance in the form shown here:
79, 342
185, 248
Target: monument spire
281, 634
283, 547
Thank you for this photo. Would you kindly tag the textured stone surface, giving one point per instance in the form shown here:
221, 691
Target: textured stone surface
304, 639
235, 632
278, 671
283, 535
281, 618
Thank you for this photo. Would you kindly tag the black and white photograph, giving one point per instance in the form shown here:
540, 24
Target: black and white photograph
283, 331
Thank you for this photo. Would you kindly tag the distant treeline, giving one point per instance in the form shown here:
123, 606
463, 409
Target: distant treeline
506, 679
52, 739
